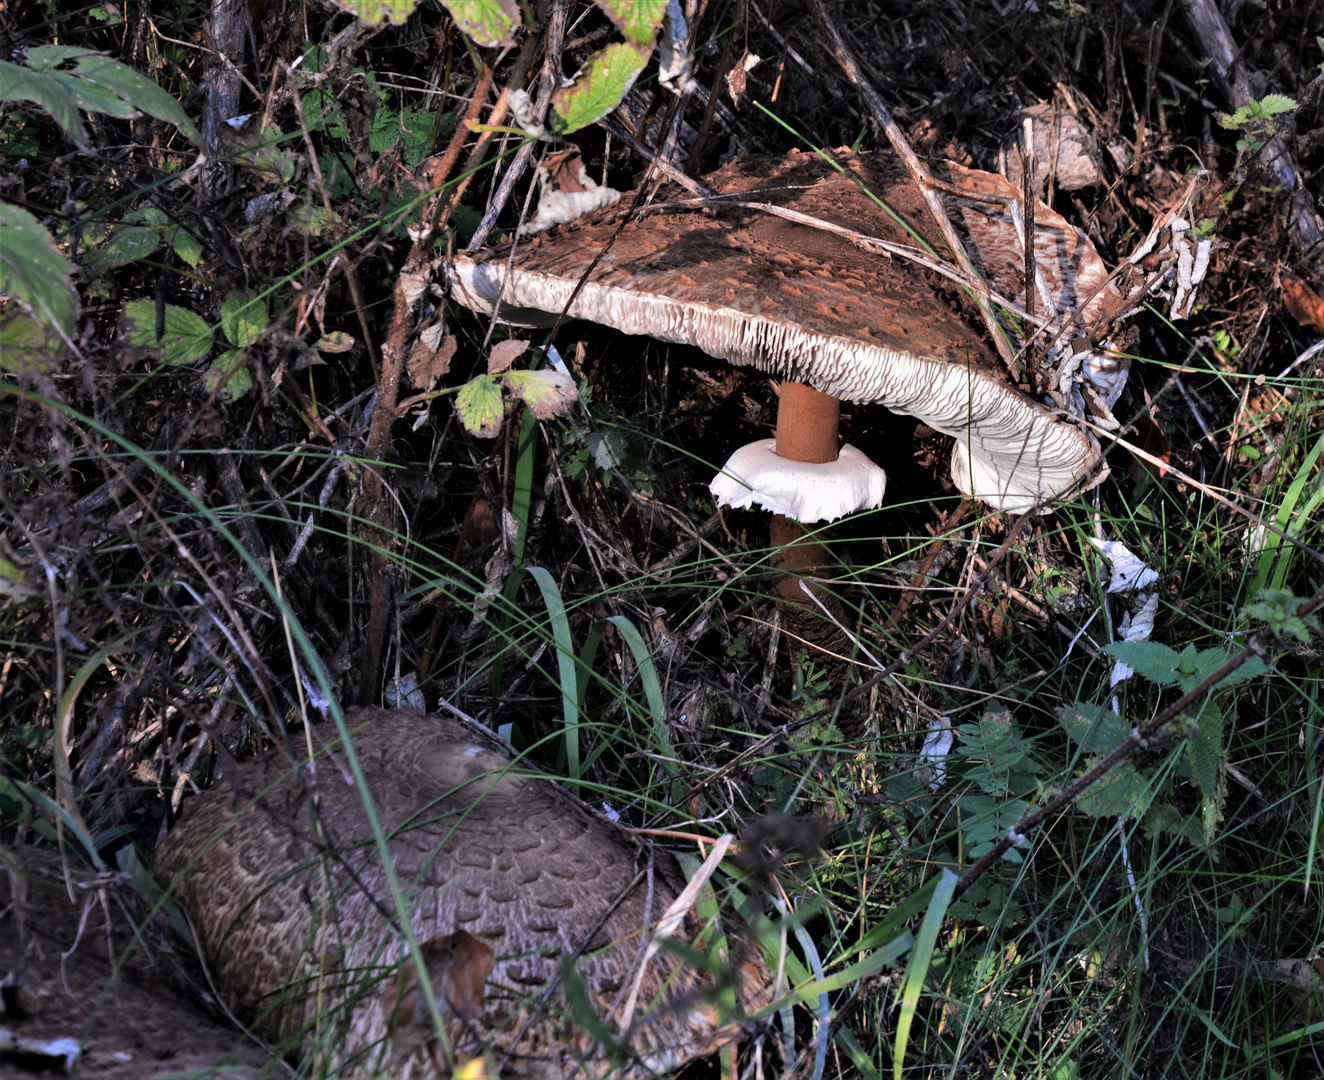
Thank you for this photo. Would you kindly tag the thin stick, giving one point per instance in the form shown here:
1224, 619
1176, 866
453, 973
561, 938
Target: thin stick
922, 180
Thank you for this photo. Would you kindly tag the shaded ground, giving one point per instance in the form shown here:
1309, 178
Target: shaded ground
58, 955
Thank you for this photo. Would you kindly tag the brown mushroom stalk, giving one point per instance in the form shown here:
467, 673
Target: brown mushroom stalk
807, 422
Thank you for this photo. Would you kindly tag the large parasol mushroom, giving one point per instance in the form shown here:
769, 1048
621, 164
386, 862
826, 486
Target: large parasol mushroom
798, 269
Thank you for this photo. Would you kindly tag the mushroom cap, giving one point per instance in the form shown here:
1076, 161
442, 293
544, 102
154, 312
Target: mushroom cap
810, 305
299, 922
803, 490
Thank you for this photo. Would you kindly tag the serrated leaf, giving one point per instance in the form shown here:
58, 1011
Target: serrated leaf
229, 375
1095, 728
546, 393
1124, 792
637, 20
1276, 104
243, 318
598, 89
187, 246
126, 244
187, 337
1155, 662
23, 84
1166, 818
1205, 753
504, 353
480, 406
36, 275
488, 22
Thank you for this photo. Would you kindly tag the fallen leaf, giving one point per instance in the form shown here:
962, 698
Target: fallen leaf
1149, 437
504, 353
430, 358
1304, 303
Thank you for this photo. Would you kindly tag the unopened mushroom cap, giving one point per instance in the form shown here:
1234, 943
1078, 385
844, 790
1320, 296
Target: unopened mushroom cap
288, 893
811, 305
803, 490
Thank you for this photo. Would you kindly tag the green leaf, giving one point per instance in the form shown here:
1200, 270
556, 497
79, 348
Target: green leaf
187, 246
34, 274
1276, 104
1204, 751
597, 89
480, 406
488, 22
97, 83
23, 84
229, 375
1155, 662
187, 336
918, 966
243, 318
1124, 792
546, 393
126, 244
637, 20
1095, 728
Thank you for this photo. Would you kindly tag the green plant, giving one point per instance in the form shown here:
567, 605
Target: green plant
36, 276
1256, 121
185, 338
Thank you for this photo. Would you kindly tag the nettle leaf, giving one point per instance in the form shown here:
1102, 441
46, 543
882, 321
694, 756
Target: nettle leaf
598, 88
243, 318
187, 337
1155, 662
546, 393
1094, 727
1204, 751
1124, 792
480, 406
637, 20
488, 22
34, 273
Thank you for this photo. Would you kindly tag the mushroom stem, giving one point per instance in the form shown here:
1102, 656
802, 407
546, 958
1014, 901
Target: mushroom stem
807, 421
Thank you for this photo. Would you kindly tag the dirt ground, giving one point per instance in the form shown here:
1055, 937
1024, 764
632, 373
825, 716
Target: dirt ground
59, 983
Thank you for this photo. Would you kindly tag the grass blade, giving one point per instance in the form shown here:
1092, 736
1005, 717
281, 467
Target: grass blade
918, 967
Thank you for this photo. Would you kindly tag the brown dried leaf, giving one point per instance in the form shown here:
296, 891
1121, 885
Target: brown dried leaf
430, 357
505, 353
1304, 303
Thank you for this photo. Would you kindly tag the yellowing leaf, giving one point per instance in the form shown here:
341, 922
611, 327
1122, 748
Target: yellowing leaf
488, 22
597, 89
480, 406
637, 20
546, 393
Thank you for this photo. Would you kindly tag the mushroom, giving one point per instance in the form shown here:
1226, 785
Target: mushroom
506, 876
748, 278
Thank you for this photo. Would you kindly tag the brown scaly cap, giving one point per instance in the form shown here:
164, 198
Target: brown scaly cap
297, 920
813, 306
